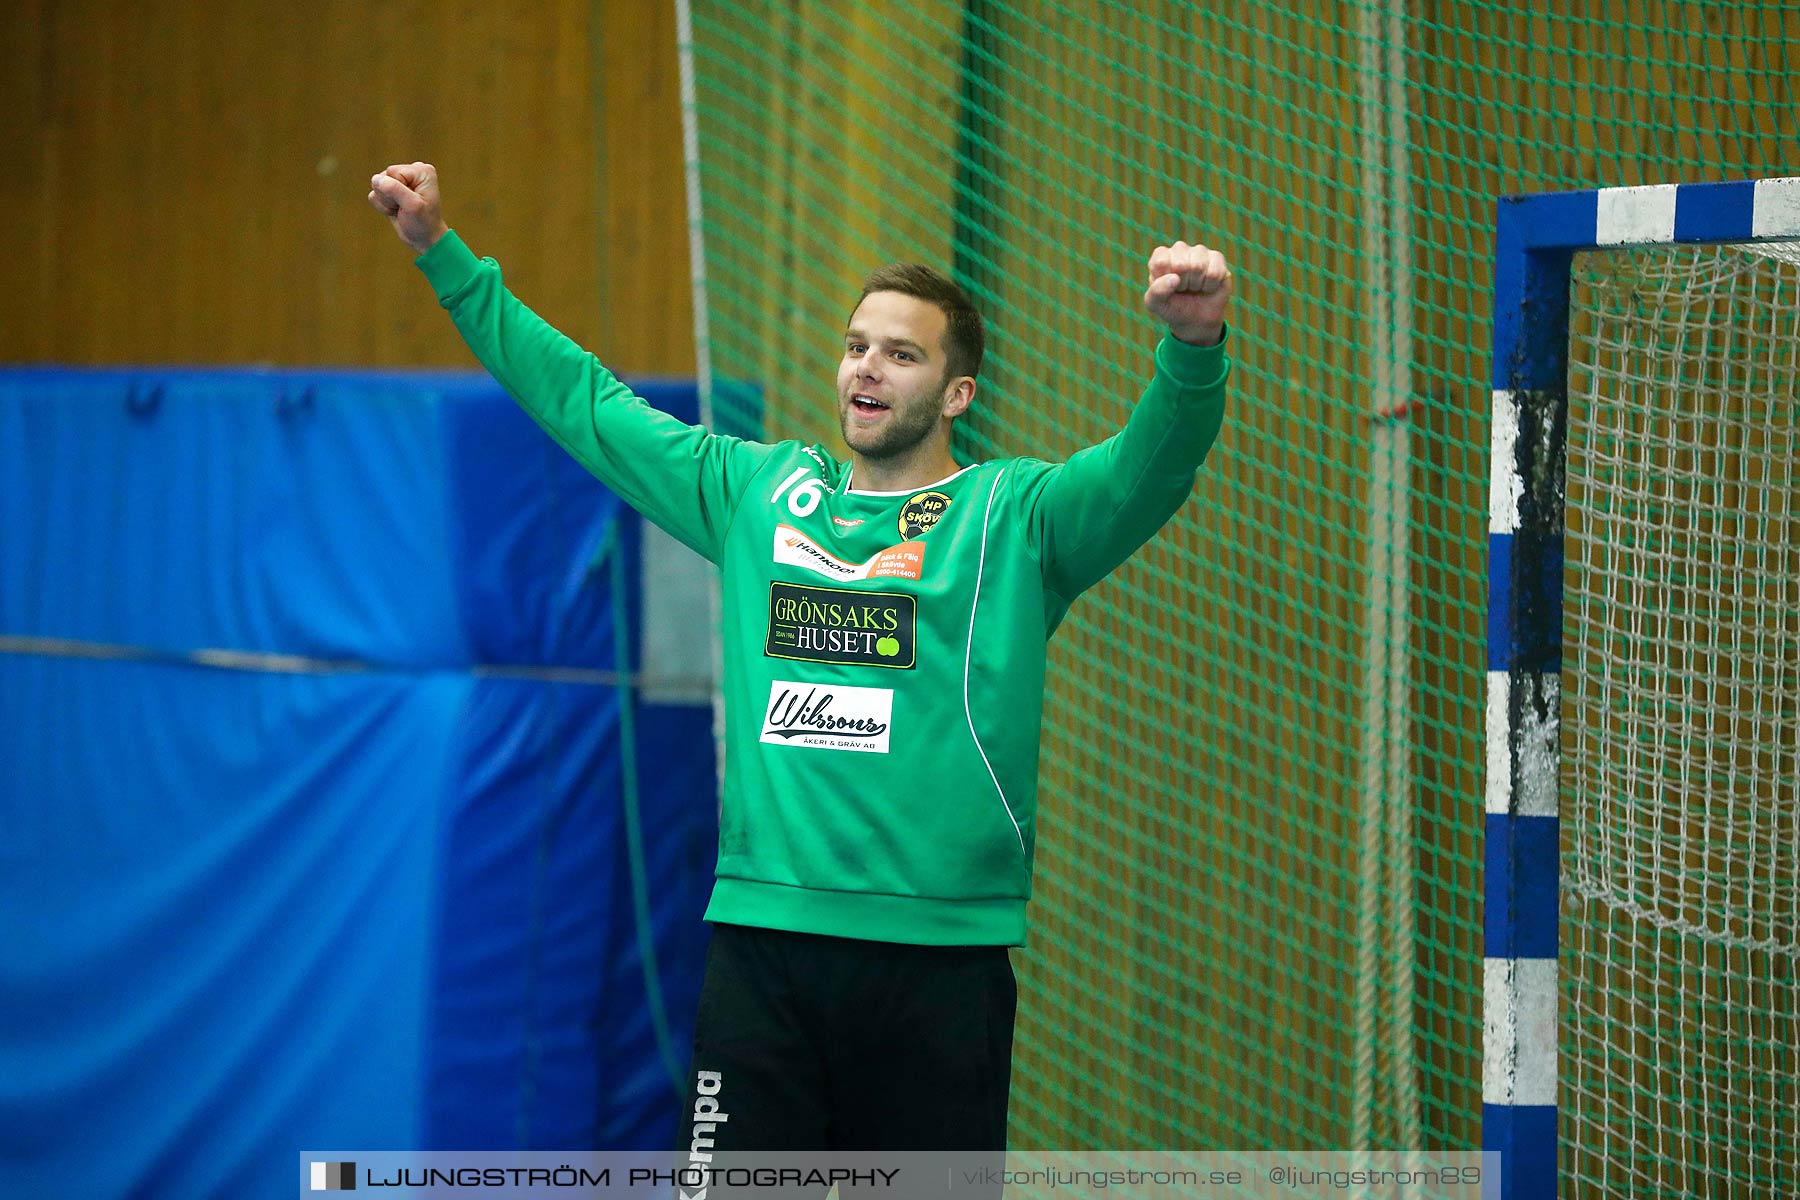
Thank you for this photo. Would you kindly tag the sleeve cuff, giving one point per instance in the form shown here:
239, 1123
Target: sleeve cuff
448, 265
1191, 366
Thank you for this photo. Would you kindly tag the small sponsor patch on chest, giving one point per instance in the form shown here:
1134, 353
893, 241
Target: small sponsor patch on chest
795, 549
921, 512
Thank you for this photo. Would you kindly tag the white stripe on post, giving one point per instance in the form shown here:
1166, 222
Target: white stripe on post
1504, 485
1540, 751
1775, 209
1499, 739
1518, 1060
1631, 216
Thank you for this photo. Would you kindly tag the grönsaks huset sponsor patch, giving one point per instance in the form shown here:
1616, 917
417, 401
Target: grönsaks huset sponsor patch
837, 625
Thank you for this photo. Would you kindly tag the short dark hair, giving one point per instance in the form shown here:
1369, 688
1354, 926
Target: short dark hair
965, 337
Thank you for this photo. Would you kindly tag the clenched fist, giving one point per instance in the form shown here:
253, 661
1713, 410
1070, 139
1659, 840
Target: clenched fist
407, 194
1189, 289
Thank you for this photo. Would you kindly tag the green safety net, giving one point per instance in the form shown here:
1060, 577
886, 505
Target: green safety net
1258, 906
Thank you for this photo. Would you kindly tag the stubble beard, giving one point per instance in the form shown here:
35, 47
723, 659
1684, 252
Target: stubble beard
907, 426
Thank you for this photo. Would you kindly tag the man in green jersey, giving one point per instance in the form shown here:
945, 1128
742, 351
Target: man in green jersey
885, 622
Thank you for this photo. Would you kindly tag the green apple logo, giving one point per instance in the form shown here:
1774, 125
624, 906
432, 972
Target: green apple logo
887, 647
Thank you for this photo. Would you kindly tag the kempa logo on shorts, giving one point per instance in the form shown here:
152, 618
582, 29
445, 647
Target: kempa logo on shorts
828, 716
795, 549
836, 625
708, 1116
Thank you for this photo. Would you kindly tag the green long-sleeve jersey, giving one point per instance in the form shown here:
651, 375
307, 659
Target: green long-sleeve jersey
883, 651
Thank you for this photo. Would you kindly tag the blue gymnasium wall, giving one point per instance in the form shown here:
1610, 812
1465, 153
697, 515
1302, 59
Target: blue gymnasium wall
382, 899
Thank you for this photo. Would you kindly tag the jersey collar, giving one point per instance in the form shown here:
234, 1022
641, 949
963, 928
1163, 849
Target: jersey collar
849, 491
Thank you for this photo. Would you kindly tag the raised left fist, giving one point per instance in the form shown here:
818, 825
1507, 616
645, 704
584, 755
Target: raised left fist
1189, 289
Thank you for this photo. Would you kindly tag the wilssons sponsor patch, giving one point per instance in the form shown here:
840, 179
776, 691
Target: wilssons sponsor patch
828, 716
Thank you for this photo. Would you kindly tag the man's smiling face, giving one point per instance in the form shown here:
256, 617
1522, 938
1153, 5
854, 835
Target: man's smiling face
892, 382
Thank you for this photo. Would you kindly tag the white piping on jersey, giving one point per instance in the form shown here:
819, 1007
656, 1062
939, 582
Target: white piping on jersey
969, 654
903, 491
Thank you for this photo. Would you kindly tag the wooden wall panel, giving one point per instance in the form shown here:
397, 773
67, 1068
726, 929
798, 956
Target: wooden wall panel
188, 180
647, 322
24, 199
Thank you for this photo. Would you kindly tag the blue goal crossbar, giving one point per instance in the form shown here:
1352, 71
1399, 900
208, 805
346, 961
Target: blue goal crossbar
1538, 237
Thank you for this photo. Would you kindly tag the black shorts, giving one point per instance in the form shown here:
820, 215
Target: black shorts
812, 1043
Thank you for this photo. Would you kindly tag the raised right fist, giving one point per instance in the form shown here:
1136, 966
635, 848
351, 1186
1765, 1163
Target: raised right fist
407, 194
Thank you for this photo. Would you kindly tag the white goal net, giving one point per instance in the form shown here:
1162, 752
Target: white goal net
1680, 924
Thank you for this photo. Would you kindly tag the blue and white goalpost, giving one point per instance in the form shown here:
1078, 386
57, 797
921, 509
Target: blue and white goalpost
1538, 239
